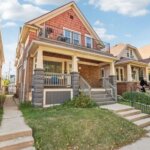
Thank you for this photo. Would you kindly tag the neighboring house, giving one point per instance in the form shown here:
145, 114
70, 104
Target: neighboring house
58, 55
145, 51
1, 59
130, 68
12, 85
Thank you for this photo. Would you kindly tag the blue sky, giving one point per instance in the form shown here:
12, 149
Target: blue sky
115, 21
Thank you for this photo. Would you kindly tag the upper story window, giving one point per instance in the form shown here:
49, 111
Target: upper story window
88, 42
72, 37
130, 53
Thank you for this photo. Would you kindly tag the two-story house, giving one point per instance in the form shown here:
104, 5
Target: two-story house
130, 67
58, 55
1, 58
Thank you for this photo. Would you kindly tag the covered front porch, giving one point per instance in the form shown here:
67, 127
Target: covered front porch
130, 74
59, 75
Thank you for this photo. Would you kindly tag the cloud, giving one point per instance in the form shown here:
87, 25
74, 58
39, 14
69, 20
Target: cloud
9, 24
125, 7
98, 23
102, 33
50, 2
128, 35
12, 10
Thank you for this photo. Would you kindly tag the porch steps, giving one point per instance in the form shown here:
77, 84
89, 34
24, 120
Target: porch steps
147, 128
143, 122
101, 97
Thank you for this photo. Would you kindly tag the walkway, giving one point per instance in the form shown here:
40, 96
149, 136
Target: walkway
14, 133
138, 118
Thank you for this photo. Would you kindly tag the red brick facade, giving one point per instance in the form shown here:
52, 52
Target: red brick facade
91, 74
126, 86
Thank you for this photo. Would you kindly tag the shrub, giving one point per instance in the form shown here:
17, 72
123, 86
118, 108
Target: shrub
137, 97
81, 101
2, 100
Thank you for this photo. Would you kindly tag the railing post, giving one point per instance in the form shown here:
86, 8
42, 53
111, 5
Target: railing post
75, 83
113, 81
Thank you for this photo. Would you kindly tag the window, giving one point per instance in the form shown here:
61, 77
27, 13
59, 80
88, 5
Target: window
130, 53
76, 38
68, 36
120, 73
53, 67
102, 73
88, 42
72, 37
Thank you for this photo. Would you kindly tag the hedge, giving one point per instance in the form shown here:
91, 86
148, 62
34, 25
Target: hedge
137, 97
2, 100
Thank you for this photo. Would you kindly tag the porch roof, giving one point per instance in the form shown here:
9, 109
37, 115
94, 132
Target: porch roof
73, 48
124, 60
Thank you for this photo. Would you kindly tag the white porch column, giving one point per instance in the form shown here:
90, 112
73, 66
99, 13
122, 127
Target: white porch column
147, 74
112, 69
129, 73
39, 63
74, 64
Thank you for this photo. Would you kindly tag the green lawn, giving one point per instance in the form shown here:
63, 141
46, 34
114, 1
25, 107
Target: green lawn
62, 128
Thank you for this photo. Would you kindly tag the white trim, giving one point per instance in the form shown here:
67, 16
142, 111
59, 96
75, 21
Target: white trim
54, 90
64, 28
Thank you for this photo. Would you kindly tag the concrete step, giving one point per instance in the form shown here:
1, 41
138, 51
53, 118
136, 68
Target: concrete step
129, 113
29, 148
137, 117
100, 95
98, 92
15, 134
17, 144
102, 99
124, 109
143, 122
105, 102
147, 128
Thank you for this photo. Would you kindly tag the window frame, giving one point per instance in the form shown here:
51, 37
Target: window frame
119, 74
88, 36
72, 35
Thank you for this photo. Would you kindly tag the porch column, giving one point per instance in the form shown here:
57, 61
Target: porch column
112, 69
129, 73
38, 81
147, 73
113, 80
75, 76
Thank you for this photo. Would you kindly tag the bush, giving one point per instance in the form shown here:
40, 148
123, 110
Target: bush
2, 100
81, 101
137, 97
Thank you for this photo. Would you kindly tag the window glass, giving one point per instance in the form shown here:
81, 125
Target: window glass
76, 38
121, 74
53, 67
88, 41
68, 36
102, 73
117, 72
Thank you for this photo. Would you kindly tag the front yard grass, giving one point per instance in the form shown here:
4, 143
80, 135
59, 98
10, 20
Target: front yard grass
62, 128
1, 114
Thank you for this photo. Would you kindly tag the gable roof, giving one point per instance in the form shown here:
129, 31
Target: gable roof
145, 51
118, 49
1, 49
37, 21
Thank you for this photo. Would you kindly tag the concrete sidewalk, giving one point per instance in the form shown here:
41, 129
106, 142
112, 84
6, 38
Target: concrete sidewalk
14, 133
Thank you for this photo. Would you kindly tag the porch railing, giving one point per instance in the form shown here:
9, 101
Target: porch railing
84, 86
57, 34
110, 89
57, 80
